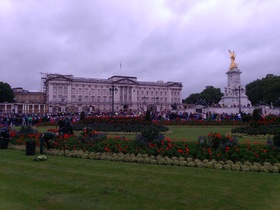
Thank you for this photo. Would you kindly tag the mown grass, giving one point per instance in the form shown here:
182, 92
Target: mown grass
188, 133
191, 133
71, 183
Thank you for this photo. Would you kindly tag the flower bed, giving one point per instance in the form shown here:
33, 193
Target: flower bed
215, 147
165, 160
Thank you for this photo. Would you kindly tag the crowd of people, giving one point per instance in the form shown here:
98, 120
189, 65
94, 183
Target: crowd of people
33, 119
65, 122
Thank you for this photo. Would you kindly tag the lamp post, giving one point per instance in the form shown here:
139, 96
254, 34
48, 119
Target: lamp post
144, 98
113, 89
79, 105
239, 97
63, 104
156, 102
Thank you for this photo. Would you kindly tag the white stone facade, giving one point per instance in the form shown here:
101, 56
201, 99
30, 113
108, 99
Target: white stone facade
66, 93
235, 93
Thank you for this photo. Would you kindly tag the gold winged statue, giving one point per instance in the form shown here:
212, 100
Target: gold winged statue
232, 58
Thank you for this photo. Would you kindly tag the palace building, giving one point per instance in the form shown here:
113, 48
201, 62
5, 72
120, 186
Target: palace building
69, 94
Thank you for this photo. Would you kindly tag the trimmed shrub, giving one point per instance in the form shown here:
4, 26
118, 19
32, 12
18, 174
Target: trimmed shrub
256, 115
276, 140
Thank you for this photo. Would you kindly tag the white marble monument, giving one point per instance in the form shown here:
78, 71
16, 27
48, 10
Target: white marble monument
235, 93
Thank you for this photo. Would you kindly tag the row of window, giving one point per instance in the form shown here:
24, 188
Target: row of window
86, 91
109, 99
100, 92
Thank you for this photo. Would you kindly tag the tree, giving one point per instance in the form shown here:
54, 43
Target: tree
192, 99
208, 96
211, 95
6, 93
265, 90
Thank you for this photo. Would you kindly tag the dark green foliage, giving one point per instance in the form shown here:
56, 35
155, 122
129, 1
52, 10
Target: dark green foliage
192, 99
247, 118
92, 137
82, 115
6, 93
211, 95
256, 129
268, 125
27, 130
150, 133
117, 124
215, 142
148, 117
276, 140
265, 90
117, 127
208, 96
256, 115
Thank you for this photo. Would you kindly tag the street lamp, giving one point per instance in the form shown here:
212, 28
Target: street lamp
79, 104
144, 98
156, 102
113, 89
239, 97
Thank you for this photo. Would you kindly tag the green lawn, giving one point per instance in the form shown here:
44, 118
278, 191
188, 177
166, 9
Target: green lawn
188, 133
72, 183
191, 133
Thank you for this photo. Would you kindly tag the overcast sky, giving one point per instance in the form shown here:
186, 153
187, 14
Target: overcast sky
170, 40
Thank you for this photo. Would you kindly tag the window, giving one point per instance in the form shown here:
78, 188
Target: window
65, 90
54, 89
59, 90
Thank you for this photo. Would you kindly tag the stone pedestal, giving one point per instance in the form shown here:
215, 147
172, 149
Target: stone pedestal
235, 93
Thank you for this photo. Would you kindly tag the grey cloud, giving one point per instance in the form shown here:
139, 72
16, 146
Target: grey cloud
184, 41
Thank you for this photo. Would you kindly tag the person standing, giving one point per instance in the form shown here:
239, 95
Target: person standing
4, 137
65, 126
47, 137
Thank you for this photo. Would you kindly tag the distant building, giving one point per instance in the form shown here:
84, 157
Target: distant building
25, 102
25, 96
29, 102
66, 93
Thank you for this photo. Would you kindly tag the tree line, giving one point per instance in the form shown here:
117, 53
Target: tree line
260, 91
